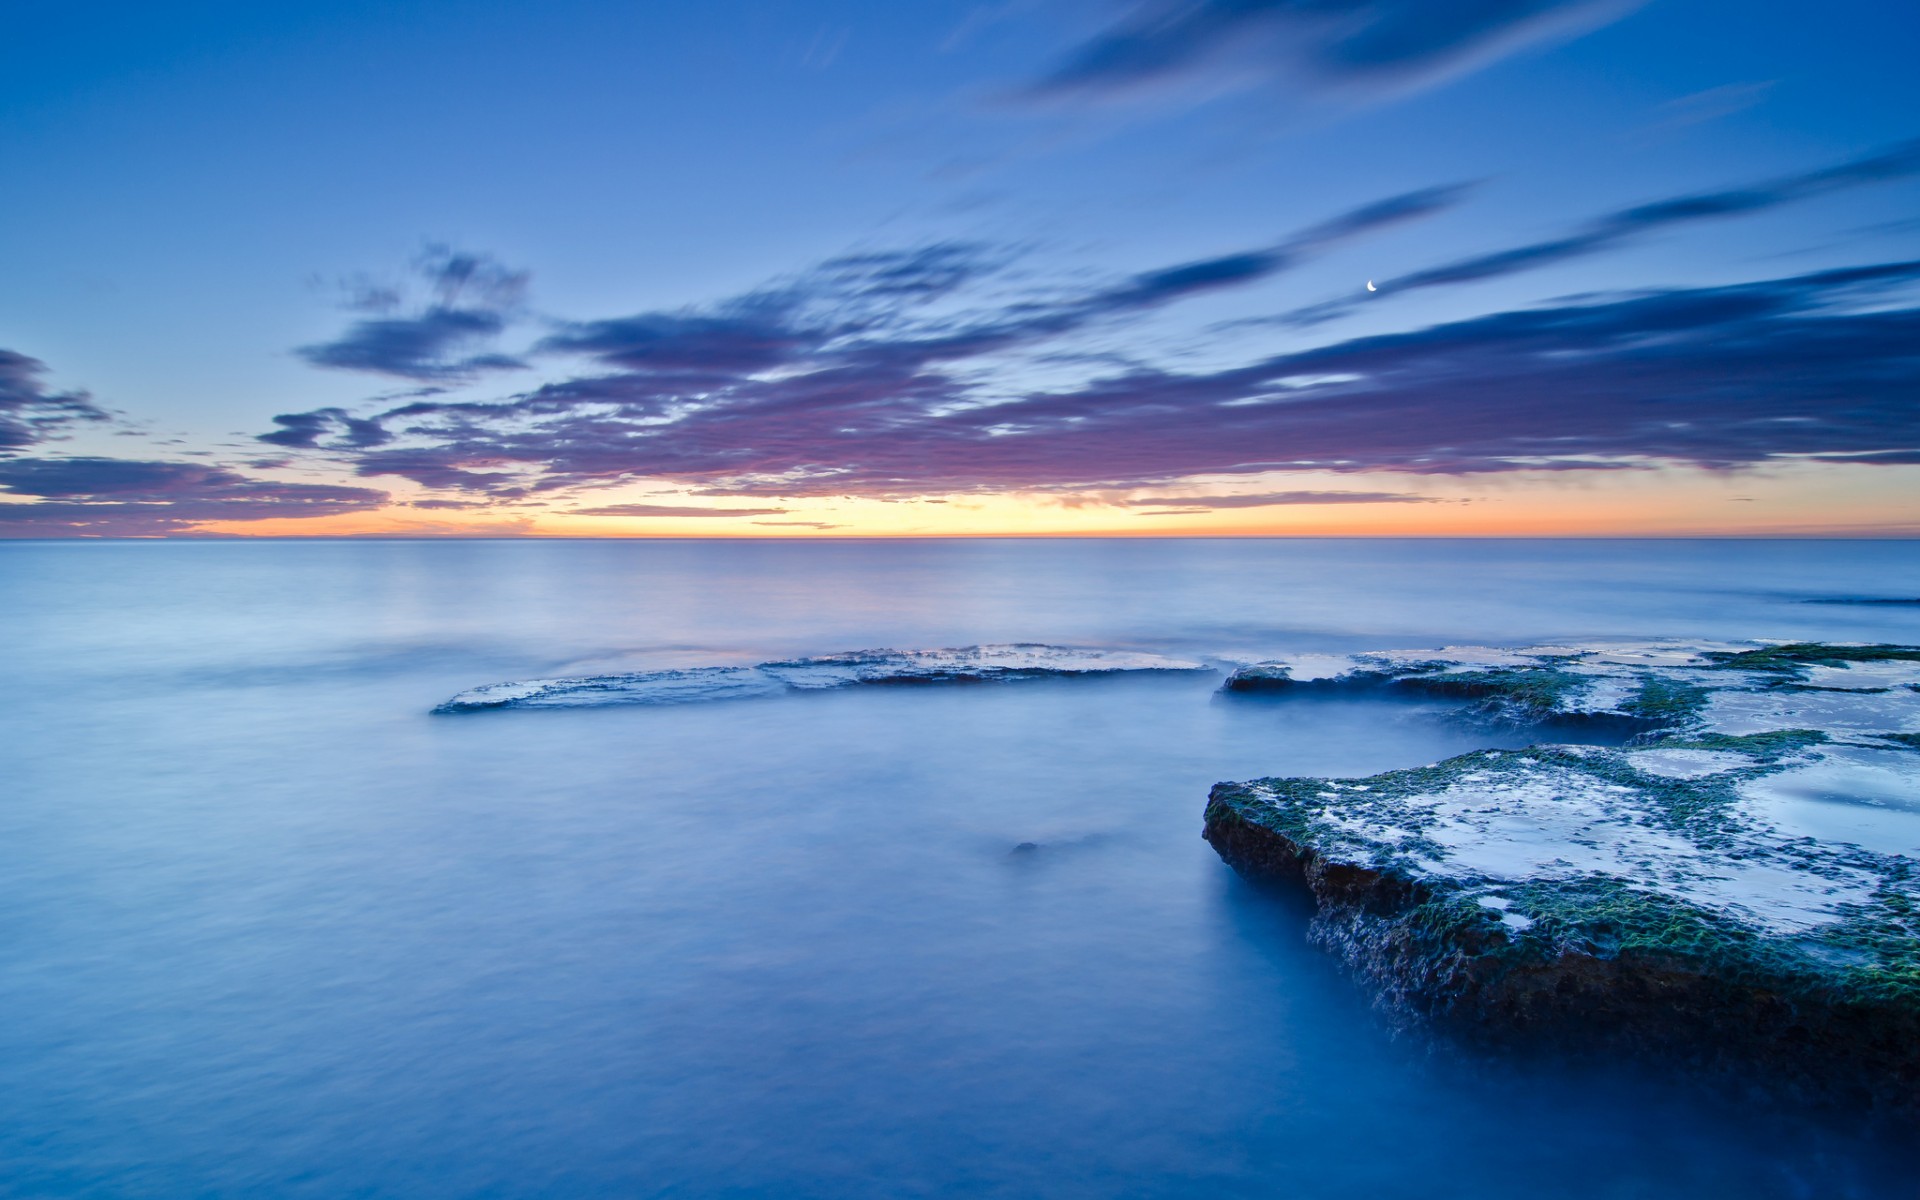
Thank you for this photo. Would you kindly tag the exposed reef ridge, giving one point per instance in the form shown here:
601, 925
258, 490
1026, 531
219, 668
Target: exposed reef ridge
1739, 889
964, 664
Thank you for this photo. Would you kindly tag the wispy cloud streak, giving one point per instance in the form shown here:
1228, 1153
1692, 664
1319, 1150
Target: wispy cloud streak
1350, 46
1206, 503
673, 510
1626, 225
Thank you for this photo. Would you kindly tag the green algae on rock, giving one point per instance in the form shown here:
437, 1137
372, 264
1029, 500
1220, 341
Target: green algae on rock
1740, 888
1645, 687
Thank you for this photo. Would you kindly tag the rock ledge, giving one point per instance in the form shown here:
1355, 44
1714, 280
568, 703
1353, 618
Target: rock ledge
1740, 890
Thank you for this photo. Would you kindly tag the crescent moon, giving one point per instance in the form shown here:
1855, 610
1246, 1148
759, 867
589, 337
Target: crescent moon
1370, 286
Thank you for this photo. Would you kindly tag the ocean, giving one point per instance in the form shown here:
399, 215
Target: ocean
269, 926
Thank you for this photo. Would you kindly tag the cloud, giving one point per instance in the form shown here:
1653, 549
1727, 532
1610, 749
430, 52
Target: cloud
859, 335
1814, 366
854, 313
1154, 288
1350, 46
31, 414
802, 524
1712, 104
472, 299
673, 510
1266, 499
788, 321
304, 430
1629, 224
117, 497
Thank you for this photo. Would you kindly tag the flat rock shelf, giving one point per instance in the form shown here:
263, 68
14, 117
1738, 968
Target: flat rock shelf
1733, 892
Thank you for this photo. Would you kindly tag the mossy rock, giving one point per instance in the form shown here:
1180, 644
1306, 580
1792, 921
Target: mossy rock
1664, 899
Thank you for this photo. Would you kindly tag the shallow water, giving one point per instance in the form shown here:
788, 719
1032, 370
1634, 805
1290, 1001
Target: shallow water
272, 929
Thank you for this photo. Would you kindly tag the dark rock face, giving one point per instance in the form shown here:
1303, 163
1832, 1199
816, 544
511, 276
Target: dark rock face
1473, 981
1680, 901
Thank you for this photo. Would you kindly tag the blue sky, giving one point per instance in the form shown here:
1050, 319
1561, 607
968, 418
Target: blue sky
219, 214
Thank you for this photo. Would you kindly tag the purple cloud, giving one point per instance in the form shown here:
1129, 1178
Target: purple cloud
850, 336
304, 430
853, 314
1820, 365
29, 413
119, 497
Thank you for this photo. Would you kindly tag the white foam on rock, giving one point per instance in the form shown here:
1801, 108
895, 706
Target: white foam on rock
1784, 845
1660, 654
1739, 712
1865, 676
1688, 764
1606, 693
1743, 701
971, 662
643, 687
1314, 668
1866, 797
1449, 659
991, 662
1530, 821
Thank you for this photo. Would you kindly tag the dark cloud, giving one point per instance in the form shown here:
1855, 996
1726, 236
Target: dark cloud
304, 430
1822, 366
428, 346
1618, 228
746, 337
461, 279
1154, 288
448, 504
472, 299
853, 335
1265, 499
447, 466
1901, 458
851, 314
31, 414
1346, 45
117, 497
786, 322
673, 510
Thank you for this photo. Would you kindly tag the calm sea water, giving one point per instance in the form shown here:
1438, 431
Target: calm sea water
267, 928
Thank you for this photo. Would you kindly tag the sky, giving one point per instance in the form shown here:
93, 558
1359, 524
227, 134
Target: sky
1025, 267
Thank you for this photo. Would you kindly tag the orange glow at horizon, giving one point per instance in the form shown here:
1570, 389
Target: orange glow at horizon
1809, 500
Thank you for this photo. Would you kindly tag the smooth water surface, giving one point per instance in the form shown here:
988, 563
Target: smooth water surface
268, 928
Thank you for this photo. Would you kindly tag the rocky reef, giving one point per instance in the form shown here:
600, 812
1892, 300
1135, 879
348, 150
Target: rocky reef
826, 672
1736, 891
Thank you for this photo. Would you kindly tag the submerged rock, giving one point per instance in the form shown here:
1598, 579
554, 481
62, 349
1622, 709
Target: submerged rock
1740, 889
